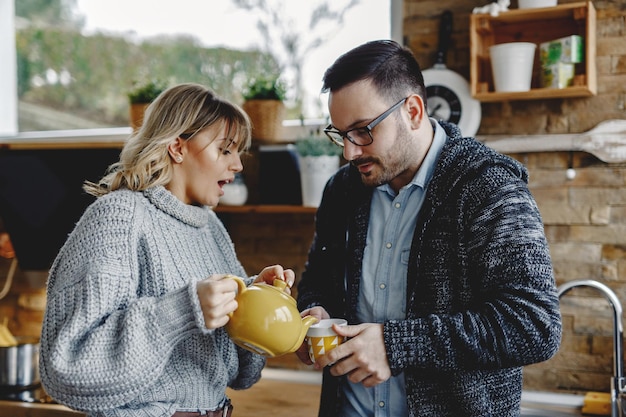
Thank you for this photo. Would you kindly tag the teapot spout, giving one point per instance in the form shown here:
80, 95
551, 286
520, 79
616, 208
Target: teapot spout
307, 322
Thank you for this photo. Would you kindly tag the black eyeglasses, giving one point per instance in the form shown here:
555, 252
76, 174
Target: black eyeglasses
360, 136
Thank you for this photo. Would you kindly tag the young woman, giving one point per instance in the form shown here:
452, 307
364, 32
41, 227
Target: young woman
137, 298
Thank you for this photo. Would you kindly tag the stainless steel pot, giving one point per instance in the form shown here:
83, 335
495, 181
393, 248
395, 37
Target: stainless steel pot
19, 365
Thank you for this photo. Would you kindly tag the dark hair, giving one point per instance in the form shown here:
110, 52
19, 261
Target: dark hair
391, 67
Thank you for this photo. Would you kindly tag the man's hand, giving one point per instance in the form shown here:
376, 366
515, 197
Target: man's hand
319, 313
362, 357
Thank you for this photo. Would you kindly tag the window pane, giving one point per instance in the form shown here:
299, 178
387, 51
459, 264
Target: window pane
77, 60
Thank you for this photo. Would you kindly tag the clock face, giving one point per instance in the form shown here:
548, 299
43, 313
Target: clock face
443, 104
449, 99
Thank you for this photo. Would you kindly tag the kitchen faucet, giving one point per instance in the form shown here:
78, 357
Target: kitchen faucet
618, 388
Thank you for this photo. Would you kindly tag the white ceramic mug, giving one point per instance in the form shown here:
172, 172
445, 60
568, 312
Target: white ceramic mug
512, 65
321, 338
532, 4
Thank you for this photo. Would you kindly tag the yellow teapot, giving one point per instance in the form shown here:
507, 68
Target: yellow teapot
267, 320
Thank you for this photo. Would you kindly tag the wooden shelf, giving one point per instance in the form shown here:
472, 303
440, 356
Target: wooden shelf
535, 94
536, 26
266, 209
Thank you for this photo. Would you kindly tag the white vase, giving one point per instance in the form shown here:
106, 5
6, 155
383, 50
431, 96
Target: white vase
314, 174
235, 193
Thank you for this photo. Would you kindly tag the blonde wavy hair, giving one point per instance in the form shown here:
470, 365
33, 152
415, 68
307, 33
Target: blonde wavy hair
180, 111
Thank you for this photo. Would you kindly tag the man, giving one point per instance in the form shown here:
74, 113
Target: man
432, 247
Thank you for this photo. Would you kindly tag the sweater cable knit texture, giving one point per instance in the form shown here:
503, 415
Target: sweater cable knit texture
123, 333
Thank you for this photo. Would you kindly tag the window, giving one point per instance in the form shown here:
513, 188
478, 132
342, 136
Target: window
182, 34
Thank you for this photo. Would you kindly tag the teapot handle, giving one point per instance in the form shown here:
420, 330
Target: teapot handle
241, 285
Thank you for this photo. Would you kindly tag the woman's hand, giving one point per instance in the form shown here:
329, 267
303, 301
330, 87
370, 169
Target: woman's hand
217, 295
217, 299
270, 273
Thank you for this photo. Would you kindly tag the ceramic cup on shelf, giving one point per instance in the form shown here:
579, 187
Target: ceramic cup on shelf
533, 4
321, 337
512, 65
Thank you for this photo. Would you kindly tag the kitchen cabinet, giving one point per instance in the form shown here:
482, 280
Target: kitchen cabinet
536, 26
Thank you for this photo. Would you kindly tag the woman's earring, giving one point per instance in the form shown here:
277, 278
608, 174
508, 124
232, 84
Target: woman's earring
179, 159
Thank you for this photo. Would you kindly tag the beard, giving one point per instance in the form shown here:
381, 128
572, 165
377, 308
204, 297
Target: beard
390, 165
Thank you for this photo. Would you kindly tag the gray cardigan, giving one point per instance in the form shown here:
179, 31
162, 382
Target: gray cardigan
123, 333
481, 299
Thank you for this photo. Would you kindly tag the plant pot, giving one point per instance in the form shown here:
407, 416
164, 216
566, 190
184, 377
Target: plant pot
267, 118
512, 65
136, 114
315, 171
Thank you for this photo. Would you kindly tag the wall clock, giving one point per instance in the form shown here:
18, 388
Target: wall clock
448, 93
443, 103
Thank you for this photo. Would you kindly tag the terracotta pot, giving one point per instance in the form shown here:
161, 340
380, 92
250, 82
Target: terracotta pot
267, 118
136, 114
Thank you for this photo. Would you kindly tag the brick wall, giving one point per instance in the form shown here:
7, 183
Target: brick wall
585, 224
421, 31
585, 218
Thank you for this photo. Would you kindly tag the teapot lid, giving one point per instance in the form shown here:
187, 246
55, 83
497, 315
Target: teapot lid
279, 285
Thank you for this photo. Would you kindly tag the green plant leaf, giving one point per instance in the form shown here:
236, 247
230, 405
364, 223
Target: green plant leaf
146, 92
316, 146
271, 88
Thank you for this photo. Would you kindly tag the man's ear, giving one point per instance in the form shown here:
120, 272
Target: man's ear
416, 109
175, 149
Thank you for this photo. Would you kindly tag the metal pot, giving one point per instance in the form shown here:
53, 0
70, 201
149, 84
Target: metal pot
19, 365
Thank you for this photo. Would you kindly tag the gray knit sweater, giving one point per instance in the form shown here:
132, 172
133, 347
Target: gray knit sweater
123, 333
481, 300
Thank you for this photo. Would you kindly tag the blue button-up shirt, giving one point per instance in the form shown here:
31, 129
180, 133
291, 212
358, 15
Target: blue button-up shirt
382, 293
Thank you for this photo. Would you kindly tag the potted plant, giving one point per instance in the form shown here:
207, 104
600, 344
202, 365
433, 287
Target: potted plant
264, 103
140, 97
318, 159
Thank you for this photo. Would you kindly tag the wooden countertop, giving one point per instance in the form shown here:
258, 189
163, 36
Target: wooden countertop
24, 409
112, 138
